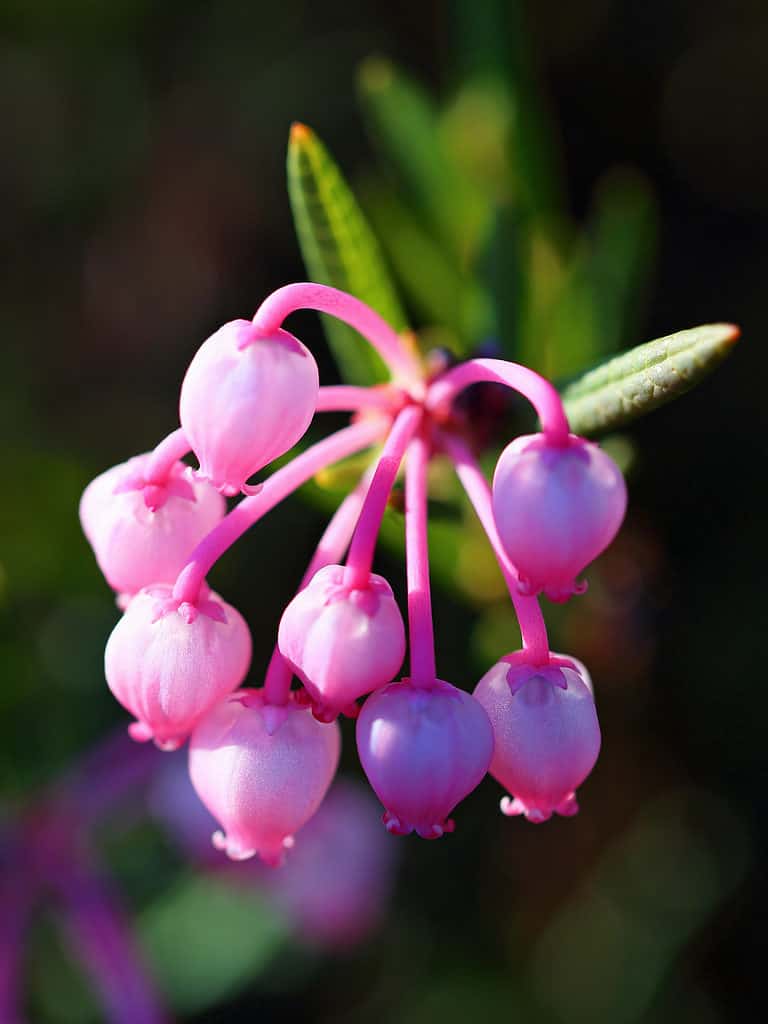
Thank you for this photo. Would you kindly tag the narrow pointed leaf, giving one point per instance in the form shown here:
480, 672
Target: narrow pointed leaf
623, 246
604, 276
492, 44
638, 381
405, 123
436, 288
339, 249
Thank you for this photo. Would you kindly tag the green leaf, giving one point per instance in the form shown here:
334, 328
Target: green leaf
405, 122
595, 301
435, 286
638, 381
493, 47
622, 245
207, 938
339, 249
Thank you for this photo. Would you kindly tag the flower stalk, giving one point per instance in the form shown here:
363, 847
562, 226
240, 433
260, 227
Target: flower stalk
179, 654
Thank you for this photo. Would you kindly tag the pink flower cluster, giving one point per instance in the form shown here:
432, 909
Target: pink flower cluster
263, 759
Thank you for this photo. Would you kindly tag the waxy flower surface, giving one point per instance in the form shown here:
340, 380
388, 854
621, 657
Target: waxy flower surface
262, 760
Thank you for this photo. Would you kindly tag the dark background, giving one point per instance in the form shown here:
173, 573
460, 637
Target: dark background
143, 201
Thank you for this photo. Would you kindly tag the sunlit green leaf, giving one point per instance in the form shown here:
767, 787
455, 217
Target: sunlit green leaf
492, 45
339, 249
436, 287
404, 121
638, 381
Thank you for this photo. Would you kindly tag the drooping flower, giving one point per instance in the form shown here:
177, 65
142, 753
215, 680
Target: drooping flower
336, 881
262, 771
262, 761
557, 507
246, 399
423, 749
343, 642
546, 735
169, 662
143, 531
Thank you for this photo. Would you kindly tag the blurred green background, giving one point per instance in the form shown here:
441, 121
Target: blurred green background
144, 202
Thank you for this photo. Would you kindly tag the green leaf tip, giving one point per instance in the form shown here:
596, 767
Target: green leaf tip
376, 73
299, 133
339, 249
405, 123
635, 382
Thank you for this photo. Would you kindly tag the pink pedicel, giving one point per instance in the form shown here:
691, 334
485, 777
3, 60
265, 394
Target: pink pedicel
143, 531
247, 398
423, 749
342, 641
557, 507
262, 761
546, 735
169, 662
262, 771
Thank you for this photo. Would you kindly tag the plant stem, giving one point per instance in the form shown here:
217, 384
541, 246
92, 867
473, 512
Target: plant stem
346, 398
165, 455
100, 780
18, 894
363, 544
102, 938
330, 550
542, 395
399, 359
532, 626
277, 487
421, 633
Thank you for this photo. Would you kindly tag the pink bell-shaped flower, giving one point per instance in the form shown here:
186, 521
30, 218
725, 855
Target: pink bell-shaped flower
143, 532
342, 642
423, 749
262, 771
546, 735
556, 508
169, 662
336, 883
245, 400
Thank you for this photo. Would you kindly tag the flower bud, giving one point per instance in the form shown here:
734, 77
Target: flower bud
245, 400
169, 662
423, 749
143, 532
556, 508
546, 735
342, 642
262, 771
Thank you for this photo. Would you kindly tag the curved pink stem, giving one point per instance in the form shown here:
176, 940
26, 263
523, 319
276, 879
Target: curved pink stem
540, 393
101, 778
420, 629
165, 455
102, 938
532, 627
330, 550
346, 398
363, 544
332, 449
18, 894
306, 295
